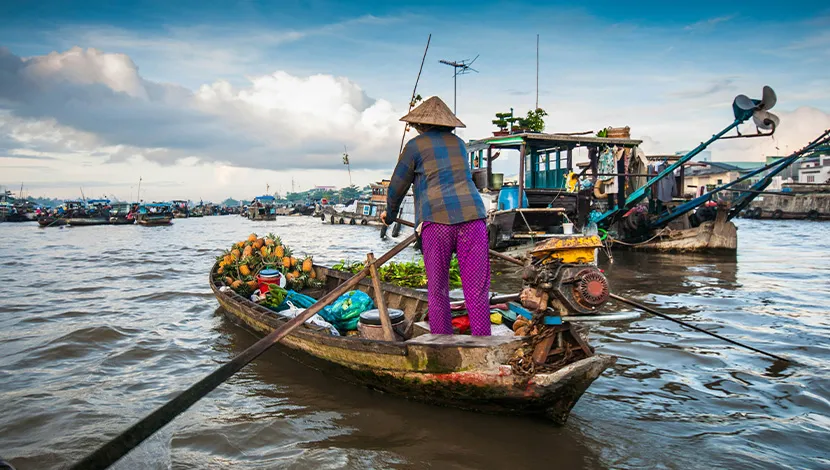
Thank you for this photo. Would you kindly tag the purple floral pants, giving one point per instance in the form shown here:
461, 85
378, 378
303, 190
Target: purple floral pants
469, 241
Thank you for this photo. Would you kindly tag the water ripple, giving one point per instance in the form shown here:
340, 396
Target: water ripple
114, 328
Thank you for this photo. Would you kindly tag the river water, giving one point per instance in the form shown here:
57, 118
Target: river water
100, 325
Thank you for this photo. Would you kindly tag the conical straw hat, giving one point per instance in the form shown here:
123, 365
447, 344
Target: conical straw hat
433, 111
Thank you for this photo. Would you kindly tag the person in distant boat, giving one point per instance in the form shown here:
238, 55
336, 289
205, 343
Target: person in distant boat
449, 214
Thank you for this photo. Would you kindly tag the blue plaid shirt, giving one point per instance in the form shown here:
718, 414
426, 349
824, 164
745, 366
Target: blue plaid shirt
435, 164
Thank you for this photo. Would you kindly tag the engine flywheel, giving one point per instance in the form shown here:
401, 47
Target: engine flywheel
592, 288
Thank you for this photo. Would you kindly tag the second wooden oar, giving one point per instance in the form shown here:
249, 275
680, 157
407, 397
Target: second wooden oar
696, 328
118, 447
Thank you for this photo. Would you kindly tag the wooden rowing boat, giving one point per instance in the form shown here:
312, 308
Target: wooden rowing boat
460, 371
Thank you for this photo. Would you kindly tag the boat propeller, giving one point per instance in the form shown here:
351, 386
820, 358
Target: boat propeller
744, 107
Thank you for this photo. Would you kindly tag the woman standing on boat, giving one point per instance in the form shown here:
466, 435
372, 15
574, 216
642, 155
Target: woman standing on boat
449, 214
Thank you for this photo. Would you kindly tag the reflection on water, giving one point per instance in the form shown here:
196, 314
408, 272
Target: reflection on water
99, 325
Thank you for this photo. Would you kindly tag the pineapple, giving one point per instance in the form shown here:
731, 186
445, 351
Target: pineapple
279, 251
252, 237
286, 262
244, 270
252, 285
307, 265
259, 243
264, 251
236, 284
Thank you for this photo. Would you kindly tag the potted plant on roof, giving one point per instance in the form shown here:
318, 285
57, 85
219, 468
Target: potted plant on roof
502, 121
534, 122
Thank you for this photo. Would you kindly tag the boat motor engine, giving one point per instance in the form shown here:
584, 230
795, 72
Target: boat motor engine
561, 283
563, 278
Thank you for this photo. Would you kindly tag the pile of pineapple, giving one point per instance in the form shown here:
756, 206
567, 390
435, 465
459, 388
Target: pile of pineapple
239, 266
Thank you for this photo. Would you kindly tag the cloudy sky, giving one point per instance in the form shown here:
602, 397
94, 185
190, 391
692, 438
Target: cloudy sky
207, 101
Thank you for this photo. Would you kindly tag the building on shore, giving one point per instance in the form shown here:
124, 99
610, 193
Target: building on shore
815, 170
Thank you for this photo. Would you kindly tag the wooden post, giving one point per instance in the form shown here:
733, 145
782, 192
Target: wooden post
522, 152
489, 167
558, 180
570, 162
386, 323
593, 155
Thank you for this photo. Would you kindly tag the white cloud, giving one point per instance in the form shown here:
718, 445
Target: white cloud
278, 121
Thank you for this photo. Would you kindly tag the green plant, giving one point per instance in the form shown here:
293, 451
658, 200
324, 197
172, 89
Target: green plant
535, 120
503, 120
405, 274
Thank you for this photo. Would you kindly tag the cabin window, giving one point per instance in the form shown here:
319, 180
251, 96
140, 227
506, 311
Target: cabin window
543, 159
720, 181
811, 179
366, 210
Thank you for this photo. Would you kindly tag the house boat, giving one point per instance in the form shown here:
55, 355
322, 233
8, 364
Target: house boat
262, 208
152, 214
361, 211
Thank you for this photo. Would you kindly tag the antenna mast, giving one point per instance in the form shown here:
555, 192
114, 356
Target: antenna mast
459, 68
537, 71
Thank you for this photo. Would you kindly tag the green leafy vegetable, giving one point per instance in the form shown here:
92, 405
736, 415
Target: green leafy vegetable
405, 274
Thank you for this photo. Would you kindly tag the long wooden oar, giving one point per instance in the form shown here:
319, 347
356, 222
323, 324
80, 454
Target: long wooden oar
118, 447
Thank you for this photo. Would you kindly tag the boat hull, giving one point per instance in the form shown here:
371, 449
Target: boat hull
459, 371
51, 222
83, 222
719, 235
153, 222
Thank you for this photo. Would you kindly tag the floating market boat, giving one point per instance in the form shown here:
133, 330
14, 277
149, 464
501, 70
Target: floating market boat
467, 372
50, 221
122, 213
94, 212
157, 213
180, 209
638, 201
58, 216
16, 210
810, 201
262, 208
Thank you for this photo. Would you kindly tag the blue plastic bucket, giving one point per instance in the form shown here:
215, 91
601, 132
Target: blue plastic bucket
509, 198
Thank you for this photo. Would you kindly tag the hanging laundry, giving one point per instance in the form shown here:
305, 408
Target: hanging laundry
666, 186
606, 164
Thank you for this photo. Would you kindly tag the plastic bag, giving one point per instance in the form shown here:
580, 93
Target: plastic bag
345, 312
292, 311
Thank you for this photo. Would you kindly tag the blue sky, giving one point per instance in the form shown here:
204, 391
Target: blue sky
205, 94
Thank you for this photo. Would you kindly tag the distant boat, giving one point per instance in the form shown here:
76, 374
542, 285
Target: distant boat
157, 213
262, 208
122, 213
96, 212
180, 209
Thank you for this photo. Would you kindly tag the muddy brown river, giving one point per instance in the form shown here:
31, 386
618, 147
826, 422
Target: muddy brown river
101, 325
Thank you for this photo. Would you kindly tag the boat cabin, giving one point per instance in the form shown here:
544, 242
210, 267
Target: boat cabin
262, 208
546, 194
121, 209
155, 208
377, 201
